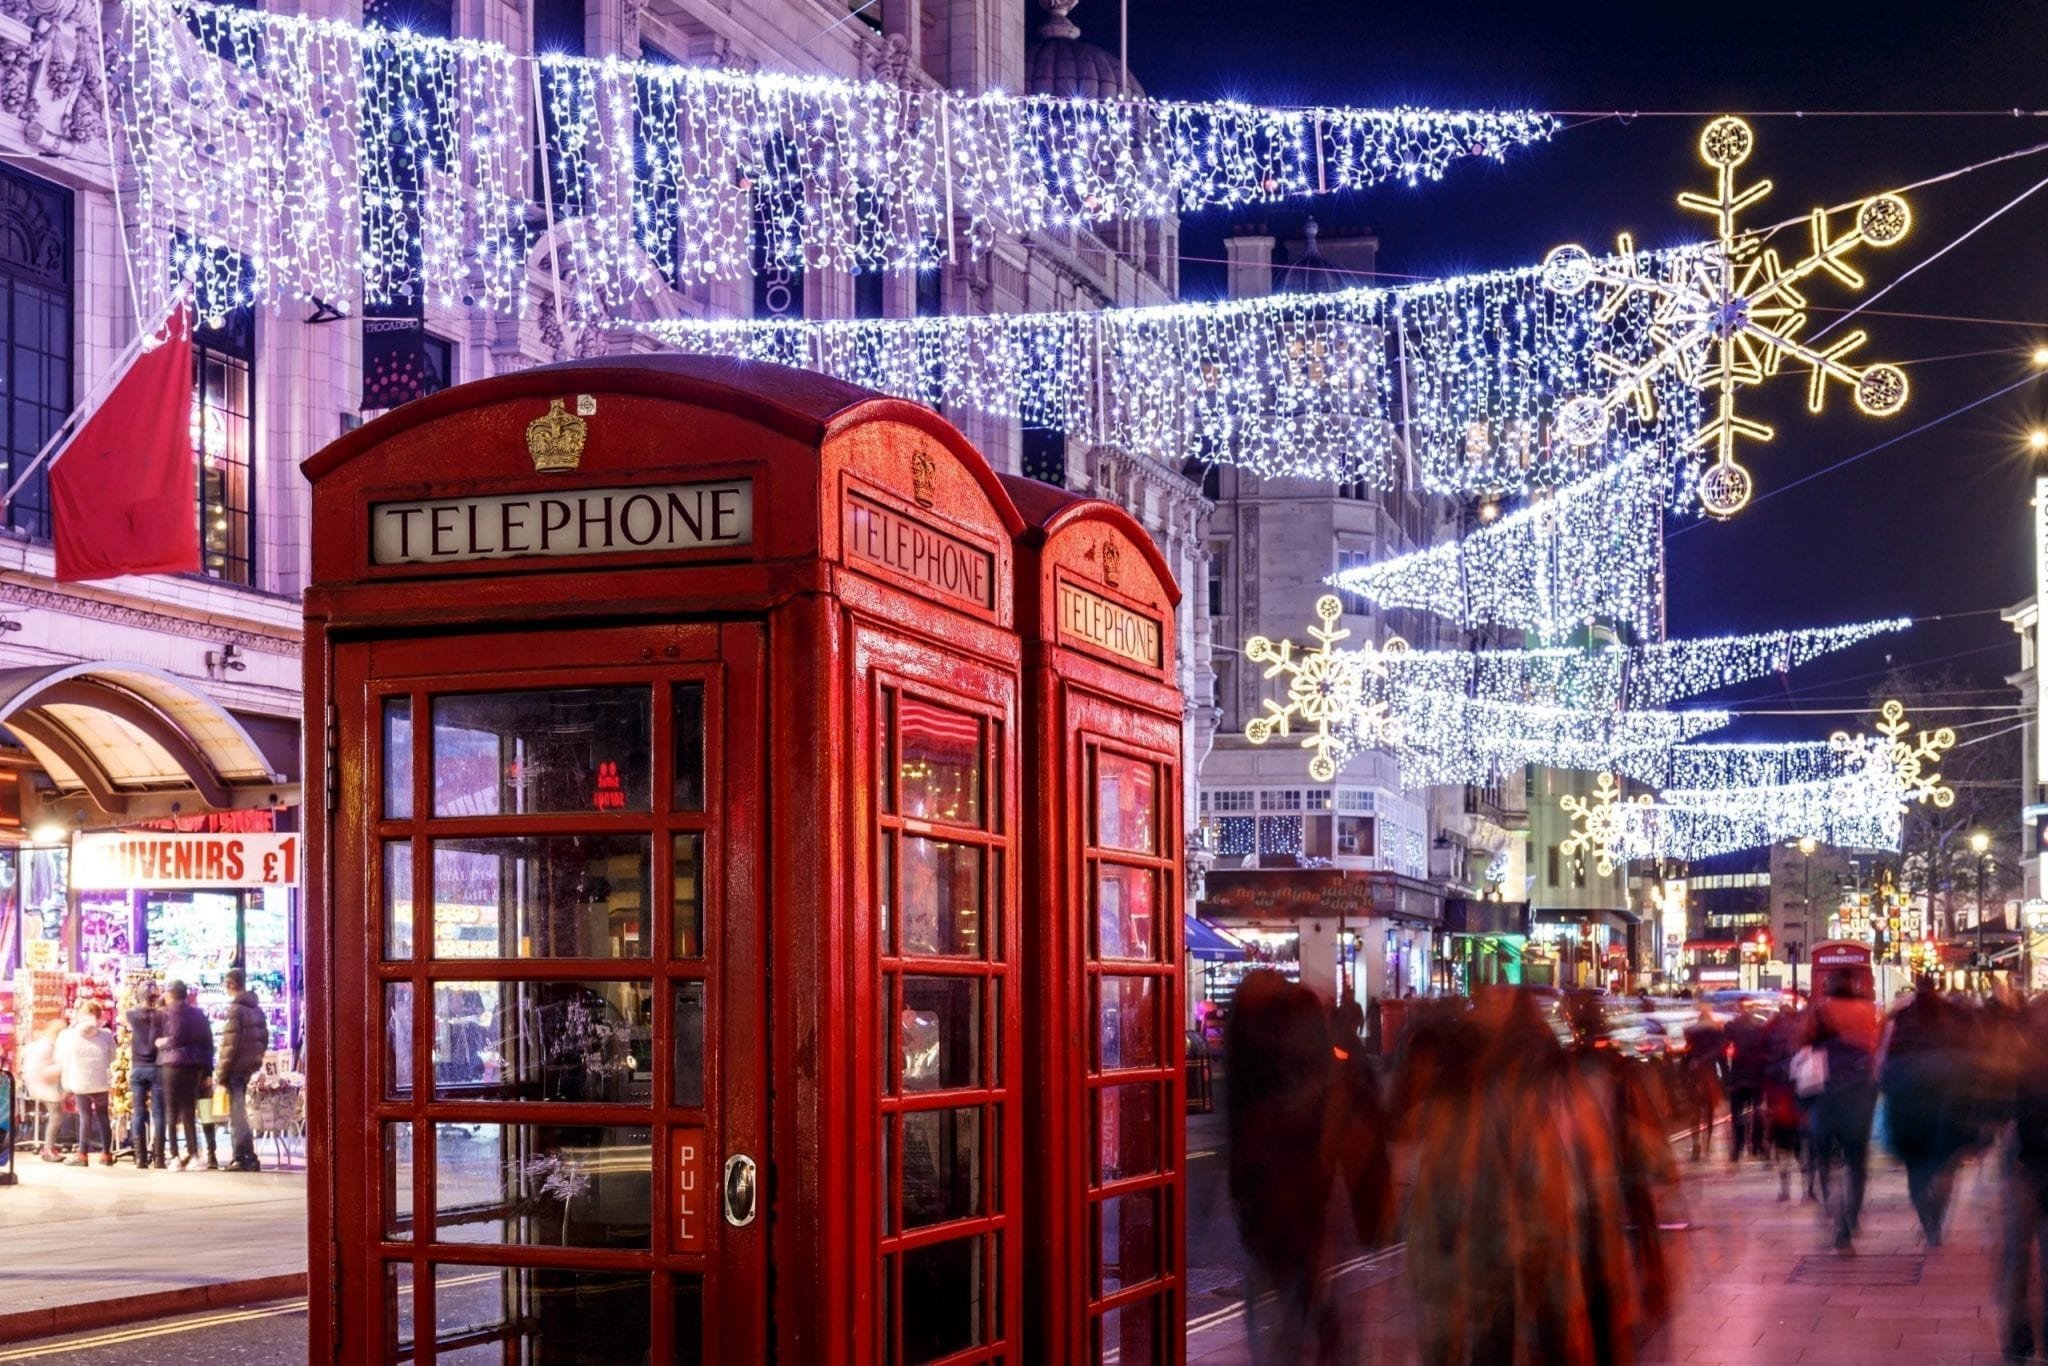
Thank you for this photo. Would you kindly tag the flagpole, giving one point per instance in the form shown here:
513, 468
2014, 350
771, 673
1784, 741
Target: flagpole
111, 375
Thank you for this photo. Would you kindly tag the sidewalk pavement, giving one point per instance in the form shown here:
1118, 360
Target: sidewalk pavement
84, 1247
1760, 1283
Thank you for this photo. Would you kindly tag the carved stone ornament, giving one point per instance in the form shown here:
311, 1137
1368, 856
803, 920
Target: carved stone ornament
50, 70
885, 58
922, 474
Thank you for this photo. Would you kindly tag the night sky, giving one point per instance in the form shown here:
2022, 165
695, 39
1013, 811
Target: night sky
1935, 525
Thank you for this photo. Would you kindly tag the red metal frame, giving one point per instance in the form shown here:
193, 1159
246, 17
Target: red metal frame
794, 635
1090, 581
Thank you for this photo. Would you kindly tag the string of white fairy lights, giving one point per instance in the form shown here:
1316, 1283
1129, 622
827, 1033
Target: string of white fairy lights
1590, 551
346, 163
1855, 808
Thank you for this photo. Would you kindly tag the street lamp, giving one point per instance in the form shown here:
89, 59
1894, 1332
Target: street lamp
1806, 847
1980, 843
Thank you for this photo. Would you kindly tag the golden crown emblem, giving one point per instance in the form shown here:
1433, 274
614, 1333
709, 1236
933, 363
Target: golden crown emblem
555, 439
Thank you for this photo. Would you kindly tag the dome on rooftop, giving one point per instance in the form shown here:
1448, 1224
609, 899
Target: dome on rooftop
1058, 62
1312, 272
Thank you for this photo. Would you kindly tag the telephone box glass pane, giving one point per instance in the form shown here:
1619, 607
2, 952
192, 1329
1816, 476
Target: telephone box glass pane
542, 896
541, 1314
397, 899
398, 758
941, 1300
686, 1077
398, 1182
553, 750
1129, 1335
688, 1297
941, 901
576, 1042
398, 1302
1124, 917
686, 748
938, 760
1127, 1022
398, 1040
940, 1158
687, 887
1126, 804
1127, 1131
1126, 1241
541, 1184
941, 1033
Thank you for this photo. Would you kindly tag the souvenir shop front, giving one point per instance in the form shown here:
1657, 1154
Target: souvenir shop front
144, 836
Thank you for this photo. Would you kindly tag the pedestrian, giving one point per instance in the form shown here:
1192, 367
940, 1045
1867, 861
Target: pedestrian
43, 1081
1784, 1116
244, 1041
1923, 1058
147, 1107
1281, 1075
1704, 1044
185, 1055
1844, 1031
2024, 1213
85, 1056
1748, 1062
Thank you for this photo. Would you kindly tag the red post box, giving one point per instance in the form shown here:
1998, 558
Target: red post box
1103, 869
663, 925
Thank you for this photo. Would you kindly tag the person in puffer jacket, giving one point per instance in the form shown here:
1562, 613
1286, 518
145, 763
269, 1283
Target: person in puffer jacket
85, 1057
185, 1052
243, 1042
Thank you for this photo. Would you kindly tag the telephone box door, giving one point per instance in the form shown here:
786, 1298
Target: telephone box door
551, 1144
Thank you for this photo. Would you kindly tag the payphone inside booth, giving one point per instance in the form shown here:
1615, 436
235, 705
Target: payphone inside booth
663, 928
1103, 858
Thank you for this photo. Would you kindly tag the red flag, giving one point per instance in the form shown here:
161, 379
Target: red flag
124, 492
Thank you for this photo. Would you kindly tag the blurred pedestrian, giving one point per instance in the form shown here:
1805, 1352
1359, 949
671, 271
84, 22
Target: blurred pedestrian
1281, 1073
1704, 1044
1784, 1115
147, 1106
185, 1053
42, 1079
1843, 1030
1924, 1055
85, 1056
1748, 1061
2023, 1304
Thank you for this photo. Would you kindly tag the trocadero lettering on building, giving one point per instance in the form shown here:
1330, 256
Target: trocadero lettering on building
916, 551
656, 517
1102, 623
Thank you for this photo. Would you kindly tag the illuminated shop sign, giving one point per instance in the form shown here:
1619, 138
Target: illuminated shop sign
146, 861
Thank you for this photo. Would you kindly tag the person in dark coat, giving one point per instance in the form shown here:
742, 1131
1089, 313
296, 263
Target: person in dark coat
1844, 1026
244, 1041
1749, 1056
1705, 1043
2024, 1165
146, 1100
184, 1052
1923, 1055
1282, 1075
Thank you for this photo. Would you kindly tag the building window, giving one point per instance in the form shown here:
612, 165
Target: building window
1226, 800
1280, 799
35, 335
1217, 561
1045, 456
1354, 603
224, 434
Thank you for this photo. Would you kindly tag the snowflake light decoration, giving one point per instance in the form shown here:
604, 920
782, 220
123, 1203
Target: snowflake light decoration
1597, 823
1912, 762
1326, 688
1728, 319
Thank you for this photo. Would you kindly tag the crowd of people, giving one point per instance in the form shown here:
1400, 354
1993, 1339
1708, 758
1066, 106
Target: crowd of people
1539, 1157
68, 1076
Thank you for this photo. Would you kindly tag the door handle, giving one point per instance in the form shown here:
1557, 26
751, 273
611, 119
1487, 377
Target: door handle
740, 1190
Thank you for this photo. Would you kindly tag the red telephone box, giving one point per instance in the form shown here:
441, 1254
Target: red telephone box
1103, 842
663, 930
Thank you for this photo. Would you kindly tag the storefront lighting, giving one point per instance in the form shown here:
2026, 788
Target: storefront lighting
48, 833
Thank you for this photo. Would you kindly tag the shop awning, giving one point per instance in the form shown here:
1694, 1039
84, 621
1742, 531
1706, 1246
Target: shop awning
126, 742
1205, 941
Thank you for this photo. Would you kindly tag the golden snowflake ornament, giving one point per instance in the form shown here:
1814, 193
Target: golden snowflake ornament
1597, 824
1728, 319
1326, 689
1912, 761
